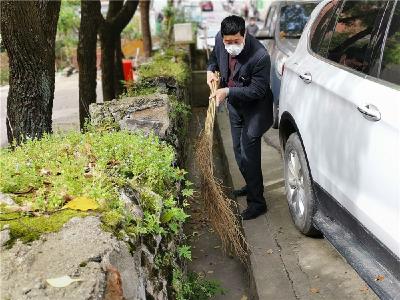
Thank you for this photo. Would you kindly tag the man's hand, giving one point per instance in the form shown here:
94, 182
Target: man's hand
210, 78
220, 95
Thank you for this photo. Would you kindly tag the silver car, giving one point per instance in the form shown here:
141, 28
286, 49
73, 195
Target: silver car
281, 33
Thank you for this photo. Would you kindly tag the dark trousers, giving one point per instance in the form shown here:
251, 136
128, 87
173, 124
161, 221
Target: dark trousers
248, 157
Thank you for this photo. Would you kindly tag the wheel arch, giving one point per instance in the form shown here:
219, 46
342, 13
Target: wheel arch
287, 126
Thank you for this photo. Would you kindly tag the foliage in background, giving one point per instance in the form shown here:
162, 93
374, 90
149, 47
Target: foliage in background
139, 89
4, 75
391, 55
132, 30
67, 32
169, 63
4, 67
172, 15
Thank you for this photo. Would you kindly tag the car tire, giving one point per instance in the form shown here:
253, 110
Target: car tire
275, 114
298, 184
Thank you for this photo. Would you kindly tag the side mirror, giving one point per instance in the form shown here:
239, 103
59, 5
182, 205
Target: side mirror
264, 35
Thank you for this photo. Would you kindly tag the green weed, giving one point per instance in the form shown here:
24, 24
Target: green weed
194, 287
44, 174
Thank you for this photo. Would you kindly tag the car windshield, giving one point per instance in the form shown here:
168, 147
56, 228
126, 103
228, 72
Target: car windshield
293, 19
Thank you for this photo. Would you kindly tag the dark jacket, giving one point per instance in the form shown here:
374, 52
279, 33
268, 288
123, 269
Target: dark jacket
251, 97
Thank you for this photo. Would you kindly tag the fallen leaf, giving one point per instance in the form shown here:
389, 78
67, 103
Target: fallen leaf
244, 297
82, 203
24, 208
45, 172
270, 251
379, 278
67, 197
30, 189
314, 290
61, 282
364, 289
210, 272
113, 162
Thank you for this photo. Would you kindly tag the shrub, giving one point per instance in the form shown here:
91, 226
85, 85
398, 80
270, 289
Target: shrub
170, 63
42, 175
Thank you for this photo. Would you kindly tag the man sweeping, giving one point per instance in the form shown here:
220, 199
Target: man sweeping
244, 65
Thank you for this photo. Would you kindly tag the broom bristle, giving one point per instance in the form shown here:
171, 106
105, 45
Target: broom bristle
219, 207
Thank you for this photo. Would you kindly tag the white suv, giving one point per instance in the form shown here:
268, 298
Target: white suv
339, 126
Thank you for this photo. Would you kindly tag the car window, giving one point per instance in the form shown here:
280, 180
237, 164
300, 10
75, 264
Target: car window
320, 32
390, 67
374, 55
353, 33
293, 18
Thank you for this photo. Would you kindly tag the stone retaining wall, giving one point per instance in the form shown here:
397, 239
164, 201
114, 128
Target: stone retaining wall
107, 268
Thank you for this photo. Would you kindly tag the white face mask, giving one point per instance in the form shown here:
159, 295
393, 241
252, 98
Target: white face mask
234, 49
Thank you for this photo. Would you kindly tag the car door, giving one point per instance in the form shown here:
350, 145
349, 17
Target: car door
380, 175
348, 121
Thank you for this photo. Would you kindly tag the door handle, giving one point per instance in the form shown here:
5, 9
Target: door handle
306, 77
370, 112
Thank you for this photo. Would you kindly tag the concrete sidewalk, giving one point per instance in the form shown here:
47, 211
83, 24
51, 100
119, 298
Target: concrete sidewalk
284, 263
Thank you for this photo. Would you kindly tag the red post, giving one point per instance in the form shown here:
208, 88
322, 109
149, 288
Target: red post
127, 68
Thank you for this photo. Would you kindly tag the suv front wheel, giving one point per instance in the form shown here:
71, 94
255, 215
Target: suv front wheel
298, 185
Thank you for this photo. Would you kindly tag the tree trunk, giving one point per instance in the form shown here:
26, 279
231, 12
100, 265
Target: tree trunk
90, 18
119, 73
118, 16
28, 30
144, 19
107, 62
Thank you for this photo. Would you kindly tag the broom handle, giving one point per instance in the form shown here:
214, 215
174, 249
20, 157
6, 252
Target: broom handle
211, 108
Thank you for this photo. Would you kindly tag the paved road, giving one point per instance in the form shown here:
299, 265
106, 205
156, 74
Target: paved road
65, 109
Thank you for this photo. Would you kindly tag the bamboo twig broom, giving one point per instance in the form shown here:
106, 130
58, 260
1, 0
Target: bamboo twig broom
219, 207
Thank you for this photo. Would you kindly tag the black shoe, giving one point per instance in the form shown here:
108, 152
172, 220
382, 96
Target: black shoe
249, 214
241, 192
